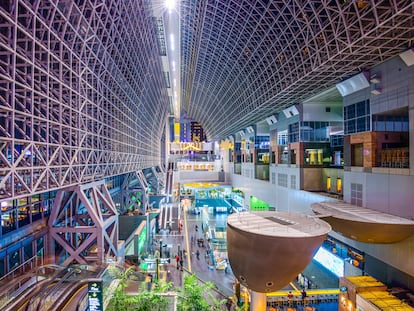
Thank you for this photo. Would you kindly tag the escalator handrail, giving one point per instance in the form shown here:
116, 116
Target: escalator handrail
48, 288
6, 292
68, 294
30, 291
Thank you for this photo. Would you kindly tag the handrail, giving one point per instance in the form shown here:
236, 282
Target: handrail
65, 297
11, 272
31, 290
18, 281
47, 291
26, 295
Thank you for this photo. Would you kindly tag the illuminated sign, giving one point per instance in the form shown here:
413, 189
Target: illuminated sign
142, 239
330, 261
258, 205
95, 301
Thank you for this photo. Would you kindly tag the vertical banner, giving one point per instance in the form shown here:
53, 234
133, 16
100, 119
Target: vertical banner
95, 296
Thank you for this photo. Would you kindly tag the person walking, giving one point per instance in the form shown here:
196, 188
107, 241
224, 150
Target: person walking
198, 254
304, 294
177, 259
226, 267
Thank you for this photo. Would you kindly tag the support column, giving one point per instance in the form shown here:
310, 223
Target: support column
135, 193
257, 301
84, 222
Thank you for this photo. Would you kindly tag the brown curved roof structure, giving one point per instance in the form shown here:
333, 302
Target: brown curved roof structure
363, 224
267, 250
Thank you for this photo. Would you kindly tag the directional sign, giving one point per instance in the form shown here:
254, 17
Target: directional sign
95, 300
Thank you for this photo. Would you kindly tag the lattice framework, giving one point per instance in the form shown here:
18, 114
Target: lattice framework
82, 95
245, 60
84, 224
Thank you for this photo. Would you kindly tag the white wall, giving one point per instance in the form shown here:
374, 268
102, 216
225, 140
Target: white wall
195, 176
317, 112
283, 199
387, 193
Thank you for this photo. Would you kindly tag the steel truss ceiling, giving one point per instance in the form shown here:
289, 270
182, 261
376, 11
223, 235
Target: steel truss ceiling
243, 60
82, 95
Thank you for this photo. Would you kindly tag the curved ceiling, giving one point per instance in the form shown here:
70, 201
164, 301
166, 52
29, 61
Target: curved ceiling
243, 60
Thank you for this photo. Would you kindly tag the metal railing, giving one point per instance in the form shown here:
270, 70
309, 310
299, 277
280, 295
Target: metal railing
28, 265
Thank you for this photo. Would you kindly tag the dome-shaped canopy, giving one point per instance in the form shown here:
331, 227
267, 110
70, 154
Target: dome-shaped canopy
267, 250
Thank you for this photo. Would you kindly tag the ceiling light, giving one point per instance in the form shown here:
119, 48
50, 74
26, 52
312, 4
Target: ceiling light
170, 4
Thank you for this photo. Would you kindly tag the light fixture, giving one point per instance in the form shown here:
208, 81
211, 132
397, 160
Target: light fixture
170, 4
291, 111
271, 120
375, 78
353, 84
376, 91
408, 57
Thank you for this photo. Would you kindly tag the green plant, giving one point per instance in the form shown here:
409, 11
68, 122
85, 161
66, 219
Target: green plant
151, 300
146, 300
198, 296
193, 296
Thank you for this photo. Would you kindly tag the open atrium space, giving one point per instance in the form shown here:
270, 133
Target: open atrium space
206, 155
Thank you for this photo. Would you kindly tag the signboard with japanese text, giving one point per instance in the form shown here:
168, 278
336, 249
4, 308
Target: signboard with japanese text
95, 296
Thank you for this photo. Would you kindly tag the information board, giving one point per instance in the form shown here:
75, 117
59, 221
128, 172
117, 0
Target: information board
95, 300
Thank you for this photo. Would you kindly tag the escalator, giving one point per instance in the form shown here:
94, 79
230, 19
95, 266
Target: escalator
51, 292
64, 289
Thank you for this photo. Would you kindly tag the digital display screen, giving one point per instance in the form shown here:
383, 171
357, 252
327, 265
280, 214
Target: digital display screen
330, 261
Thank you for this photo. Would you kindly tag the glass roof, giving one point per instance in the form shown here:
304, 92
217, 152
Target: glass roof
243, 60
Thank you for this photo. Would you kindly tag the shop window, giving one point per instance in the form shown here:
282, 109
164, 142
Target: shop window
36, 211
356, 154
314, 156
8, 220
284, 157
262, 157
14, 260
293, 156
39, 247
27, 251
23, 215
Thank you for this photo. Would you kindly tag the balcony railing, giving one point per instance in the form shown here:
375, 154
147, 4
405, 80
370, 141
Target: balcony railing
395, 158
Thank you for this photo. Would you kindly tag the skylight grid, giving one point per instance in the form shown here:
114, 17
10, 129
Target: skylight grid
262, 55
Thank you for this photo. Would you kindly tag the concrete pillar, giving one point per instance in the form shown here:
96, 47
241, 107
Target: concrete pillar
257, 301
411, 124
